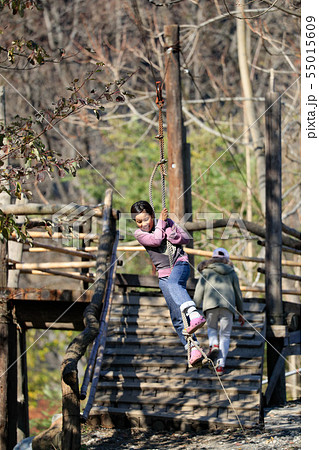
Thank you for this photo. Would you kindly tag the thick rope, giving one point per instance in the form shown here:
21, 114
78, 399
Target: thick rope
161, 163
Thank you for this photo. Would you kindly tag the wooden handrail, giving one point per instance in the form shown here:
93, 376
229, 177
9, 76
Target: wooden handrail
193, 251
72, 251
39, 209
96, 357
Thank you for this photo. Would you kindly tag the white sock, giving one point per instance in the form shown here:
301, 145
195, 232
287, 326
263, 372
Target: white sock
192, 313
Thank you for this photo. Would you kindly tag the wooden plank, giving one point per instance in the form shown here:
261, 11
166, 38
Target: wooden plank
277, 331
64, 250
283, 275
158, 331
187, 389
49, 312
176, 402
113, 417
294, 337
292, 306
252, 366
193, 226
58, 295
164, 351
39, 209
8, 366
55, 265
142, 318
200, 377
130, 280
148, 281
276, 372
242, 336
158, 300
135, 343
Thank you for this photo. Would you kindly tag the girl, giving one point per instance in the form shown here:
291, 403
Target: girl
172, 282
219, 295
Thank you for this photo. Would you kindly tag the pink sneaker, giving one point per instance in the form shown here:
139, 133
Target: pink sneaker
195, 324
196, 357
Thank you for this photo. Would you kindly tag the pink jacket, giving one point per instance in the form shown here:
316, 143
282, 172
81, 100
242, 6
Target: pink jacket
154, 242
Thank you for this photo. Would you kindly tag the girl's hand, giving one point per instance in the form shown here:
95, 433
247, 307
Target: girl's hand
241, 320
164, 214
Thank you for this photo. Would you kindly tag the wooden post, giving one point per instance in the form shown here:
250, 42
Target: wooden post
71, 431
178, 151
273, 286
15, 250
4, 197
85, 228
23, 430
8, 337
8, 366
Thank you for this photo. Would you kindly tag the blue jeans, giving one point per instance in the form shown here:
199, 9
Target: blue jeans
176, 295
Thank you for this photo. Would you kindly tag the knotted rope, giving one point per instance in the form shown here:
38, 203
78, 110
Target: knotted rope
161, 162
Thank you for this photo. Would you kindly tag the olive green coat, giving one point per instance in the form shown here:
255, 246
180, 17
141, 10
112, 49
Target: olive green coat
218, 287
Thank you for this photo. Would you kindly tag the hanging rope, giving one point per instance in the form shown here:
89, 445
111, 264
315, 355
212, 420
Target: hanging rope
161, 162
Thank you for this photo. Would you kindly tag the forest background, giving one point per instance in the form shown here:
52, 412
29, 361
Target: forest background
232, 53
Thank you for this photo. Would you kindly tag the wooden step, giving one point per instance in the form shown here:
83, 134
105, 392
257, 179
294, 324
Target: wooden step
158, 301
161, 310
237, 333
203, 378
118, 341
249, 366
167, 352
187, 399
110, 417
181, 389
143, 320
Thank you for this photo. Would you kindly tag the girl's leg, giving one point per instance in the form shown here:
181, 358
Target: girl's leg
174, 309
225, 327
177, 297
212, 326
177, 286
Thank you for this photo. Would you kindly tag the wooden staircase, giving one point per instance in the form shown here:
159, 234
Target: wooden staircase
145, 381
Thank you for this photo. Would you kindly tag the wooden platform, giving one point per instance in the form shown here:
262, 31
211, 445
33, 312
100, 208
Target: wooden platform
145, 381
57, 309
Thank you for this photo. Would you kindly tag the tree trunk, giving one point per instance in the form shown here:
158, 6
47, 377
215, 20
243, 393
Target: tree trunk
249, 111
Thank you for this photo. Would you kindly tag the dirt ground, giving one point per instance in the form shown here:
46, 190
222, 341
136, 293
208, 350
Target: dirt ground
282, 430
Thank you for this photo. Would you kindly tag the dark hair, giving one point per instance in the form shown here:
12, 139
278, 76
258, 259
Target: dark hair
141, 206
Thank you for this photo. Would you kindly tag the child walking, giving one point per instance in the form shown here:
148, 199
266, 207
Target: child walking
172, 281
219, 295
